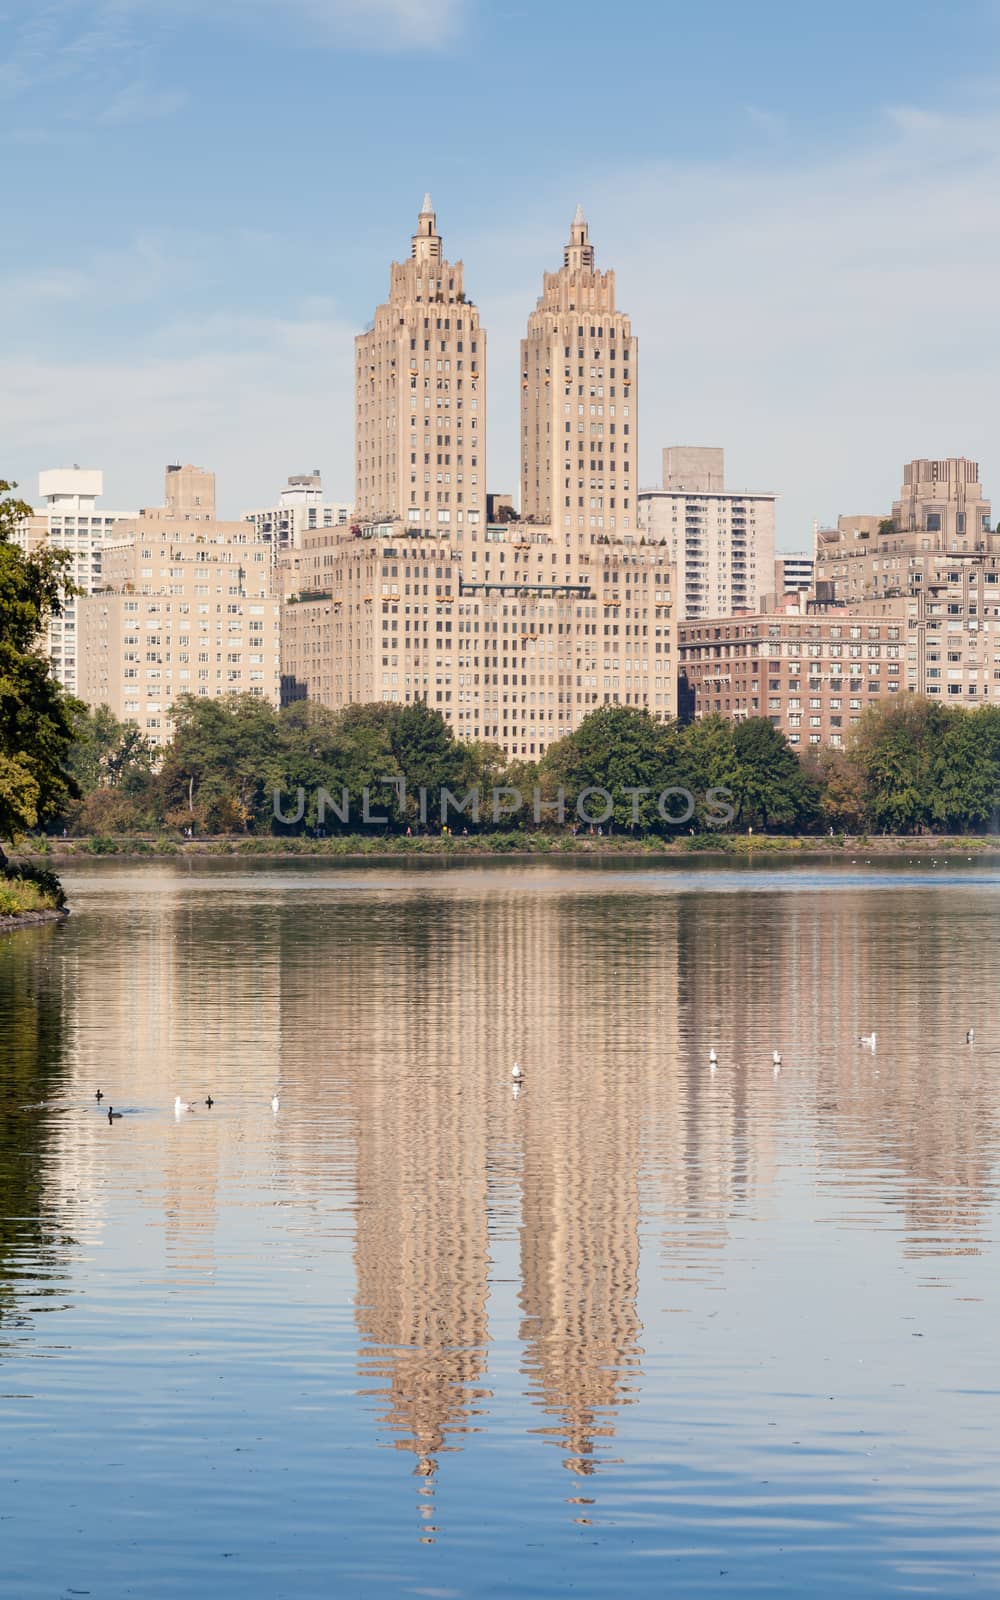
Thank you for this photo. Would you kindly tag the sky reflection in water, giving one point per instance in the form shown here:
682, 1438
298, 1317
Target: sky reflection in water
639, 1328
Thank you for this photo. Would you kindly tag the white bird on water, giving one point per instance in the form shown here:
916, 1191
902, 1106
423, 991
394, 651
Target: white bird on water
970, 1035
516, 1073
868, 1040
275, 1102
180, 1105
776, 1058
713, 1059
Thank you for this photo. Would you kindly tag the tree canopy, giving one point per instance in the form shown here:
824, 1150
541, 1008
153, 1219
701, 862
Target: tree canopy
36, 724
912, 764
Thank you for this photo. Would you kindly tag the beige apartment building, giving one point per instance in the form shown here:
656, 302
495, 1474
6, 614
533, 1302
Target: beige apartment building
186, 606
938, 550
943, 500
721, 540
813, 674
513, 630
517, 654
420, 397
579, 402
190, 495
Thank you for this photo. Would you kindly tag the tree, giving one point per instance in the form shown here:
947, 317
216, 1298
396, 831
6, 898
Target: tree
107, 753
840, 785
965, 769
709, 756
428, 757
616, 748
770, 786
893, 747
36, 727
225, 760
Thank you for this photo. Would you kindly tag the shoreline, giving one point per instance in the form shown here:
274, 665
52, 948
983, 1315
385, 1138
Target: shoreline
30, 919
734, 849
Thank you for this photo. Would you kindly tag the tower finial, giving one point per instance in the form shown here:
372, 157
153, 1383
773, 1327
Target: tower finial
579, 217
427, 210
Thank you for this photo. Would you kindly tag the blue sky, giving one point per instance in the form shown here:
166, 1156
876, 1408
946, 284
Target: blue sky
800, 203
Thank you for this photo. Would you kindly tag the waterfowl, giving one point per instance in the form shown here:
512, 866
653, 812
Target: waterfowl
274, 1102
99, 1096
180, 1105
516, 1073
776, 1058
209, 1102
868, 1040
713, 1059
113, 1115
970, 1035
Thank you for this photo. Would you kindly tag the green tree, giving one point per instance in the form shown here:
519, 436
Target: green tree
429, 758
36, 727
965, 769
708, 753
219, 772
107, 753
771, 790
366, 735
894, 748
313, 760
617, 748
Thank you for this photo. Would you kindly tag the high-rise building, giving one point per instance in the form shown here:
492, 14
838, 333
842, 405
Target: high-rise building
943, 502
579, 402
420, 395
936, 549
190, 494
185, 606
71, 521
514, 629
793, 573
301, 508
722, 540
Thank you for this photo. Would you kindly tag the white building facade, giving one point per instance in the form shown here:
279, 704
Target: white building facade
70, 520
721, 540
301, 509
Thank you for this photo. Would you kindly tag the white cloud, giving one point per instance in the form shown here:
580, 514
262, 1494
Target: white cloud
377, 24
137, 272
141, 102
100, 43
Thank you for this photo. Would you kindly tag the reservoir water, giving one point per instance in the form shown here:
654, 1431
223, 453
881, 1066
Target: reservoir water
642, 1328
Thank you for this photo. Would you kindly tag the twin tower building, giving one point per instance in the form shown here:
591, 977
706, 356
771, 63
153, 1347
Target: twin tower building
513, 626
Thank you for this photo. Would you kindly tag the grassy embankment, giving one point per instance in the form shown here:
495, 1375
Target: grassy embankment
513, 844
29, 897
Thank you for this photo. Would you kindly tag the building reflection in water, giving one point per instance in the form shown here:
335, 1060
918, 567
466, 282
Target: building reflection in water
390, 1015
583, 1005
